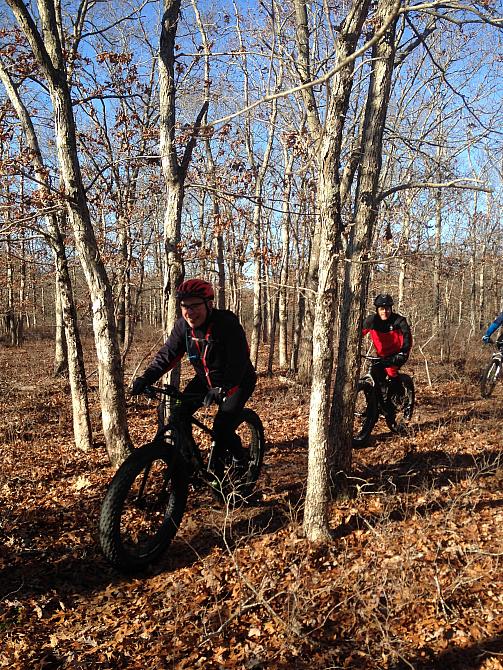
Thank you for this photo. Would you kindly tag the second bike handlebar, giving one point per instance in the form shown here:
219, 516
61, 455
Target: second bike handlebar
385, 362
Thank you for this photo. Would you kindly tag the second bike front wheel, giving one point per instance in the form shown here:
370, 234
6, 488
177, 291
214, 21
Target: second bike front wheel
143, 507
403, 407
490, 377
365, 414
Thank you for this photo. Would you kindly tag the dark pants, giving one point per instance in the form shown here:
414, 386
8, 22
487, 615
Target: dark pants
390, 385
225, 422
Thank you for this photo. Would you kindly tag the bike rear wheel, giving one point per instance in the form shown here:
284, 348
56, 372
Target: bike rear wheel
490, 377
403, 407
240, 479
143, 507
365, 415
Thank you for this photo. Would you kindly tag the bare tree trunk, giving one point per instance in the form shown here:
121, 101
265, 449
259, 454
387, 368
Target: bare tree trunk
403, 265
317, 495
272, 334
305, 353
357, 270
60, 349
174, 169
305, 358
258, 273
76, 371
437, 264
285, 261
49, 55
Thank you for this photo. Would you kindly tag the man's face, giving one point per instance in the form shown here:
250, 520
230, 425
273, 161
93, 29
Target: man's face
384, 313
194, 311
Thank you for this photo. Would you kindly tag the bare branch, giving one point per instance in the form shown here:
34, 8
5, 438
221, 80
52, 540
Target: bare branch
455, 183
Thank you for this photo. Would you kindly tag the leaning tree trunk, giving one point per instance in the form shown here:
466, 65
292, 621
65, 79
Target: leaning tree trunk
360, 241
49, 55
82, 430
73, 358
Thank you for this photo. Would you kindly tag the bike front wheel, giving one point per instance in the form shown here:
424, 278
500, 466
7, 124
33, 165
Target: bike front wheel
403, 407
365, 415
143, 507
490, 377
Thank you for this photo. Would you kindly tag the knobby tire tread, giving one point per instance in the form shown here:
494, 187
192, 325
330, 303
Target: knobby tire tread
361, 439
400, 427
113, 503
247, 484
489, 378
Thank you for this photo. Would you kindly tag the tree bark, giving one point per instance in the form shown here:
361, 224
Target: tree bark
69, 355
317, 495
354, 295
49, 55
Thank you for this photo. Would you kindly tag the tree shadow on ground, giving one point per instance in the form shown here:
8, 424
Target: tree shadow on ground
415, 472
190, 548
456, 658
80, 569
420, 470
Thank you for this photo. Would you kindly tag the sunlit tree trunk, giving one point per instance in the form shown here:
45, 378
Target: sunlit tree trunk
320, 448
60, 366
49, 55
174, 169
354, 295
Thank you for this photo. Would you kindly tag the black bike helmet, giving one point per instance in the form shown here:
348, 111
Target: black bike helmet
383, 300
195, 288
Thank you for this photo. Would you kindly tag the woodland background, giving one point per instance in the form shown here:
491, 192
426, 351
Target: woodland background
302, 157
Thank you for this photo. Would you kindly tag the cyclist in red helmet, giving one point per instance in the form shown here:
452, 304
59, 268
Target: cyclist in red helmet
392, 339
216, 345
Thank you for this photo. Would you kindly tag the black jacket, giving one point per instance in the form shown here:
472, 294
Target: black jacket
218, 350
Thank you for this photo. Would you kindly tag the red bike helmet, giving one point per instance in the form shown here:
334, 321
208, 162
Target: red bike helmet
383, 300
195, 288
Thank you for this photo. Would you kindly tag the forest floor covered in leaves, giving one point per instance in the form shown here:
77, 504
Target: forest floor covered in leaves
412, 579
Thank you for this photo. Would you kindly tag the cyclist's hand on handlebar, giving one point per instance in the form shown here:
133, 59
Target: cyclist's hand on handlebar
399, 359
215, 394
486, 339
139, 385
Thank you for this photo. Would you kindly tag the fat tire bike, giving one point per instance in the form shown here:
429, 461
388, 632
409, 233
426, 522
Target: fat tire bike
492, 372
147, 497
374, 398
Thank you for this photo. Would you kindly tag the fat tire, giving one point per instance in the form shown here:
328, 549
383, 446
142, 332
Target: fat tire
360, 439
235, 490
399, 424
113, 545
489, 378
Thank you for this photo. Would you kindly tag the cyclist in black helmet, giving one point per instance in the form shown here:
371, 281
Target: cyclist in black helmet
216, 345
392, 339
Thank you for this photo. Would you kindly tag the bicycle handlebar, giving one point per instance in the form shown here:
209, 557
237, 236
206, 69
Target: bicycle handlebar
386, 362
168, 389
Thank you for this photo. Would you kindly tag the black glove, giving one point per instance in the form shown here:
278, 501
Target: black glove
215, 394
139, 386
486, 339
399, 359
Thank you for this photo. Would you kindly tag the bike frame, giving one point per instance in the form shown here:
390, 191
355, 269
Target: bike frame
367, 377
183, 427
